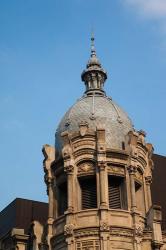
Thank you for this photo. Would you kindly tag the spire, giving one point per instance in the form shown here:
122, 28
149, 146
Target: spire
94, 75
93, 51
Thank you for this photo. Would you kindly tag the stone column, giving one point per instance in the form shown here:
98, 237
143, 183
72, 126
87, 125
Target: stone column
148, 180
103, 183
50, 198
132, 171
51, 218
69, 170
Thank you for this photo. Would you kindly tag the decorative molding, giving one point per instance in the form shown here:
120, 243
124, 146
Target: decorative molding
83, 128
84, 233
68, 168
138, 176
84, 152
120, 232
70, 210
83, 143
138, 230
86, 167
104, 226
132, 169
116, 170
148, 180
102, 165
68, 229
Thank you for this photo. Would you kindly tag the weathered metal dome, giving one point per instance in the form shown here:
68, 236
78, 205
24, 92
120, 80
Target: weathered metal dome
96, 109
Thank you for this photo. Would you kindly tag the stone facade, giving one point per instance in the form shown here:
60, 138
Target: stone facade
135, 226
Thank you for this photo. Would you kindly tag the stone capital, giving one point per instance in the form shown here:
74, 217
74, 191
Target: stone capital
102, 165
69, 168
132, 169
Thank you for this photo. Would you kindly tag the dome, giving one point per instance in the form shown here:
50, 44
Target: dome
95, 108
97, 111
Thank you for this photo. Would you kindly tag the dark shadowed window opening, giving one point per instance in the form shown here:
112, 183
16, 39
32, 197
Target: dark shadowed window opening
88, 193
62, 198
117, 192
139, 194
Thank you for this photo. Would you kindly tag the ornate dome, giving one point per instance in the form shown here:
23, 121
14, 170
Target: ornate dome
96, 109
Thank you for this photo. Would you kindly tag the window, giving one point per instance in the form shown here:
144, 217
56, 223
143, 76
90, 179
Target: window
88, 192
117, 192
139, 198
88, 244
62, 198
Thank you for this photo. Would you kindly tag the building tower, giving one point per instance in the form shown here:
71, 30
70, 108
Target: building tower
98, 176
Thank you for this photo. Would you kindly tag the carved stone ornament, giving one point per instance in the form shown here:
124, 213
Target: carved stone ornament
102, 165
138, 176
68, 229
148, 180
121, 232
132, 169
68, 168
83, 128
138, 230
116, 170
104, 226
86, 167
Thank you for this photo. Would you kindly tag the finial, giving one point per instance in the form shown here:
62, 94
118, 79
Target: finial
94, 75
93, 51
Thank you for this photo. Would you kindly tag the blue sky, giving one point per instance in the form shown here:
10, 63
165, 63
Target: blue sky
44, 46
